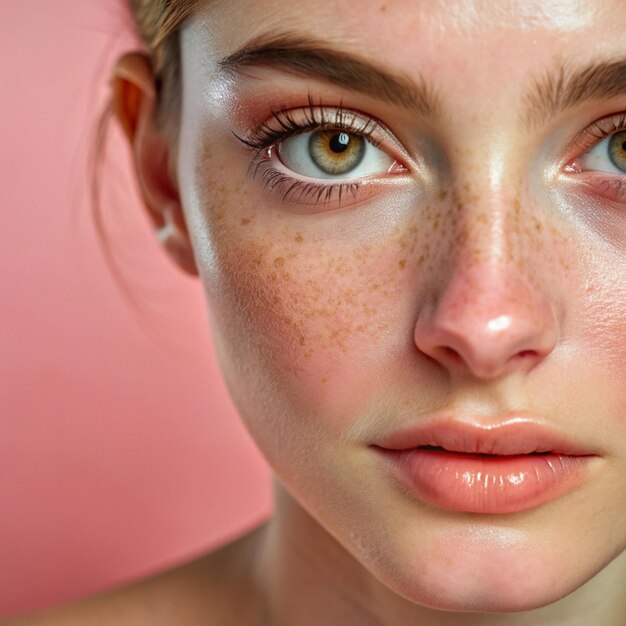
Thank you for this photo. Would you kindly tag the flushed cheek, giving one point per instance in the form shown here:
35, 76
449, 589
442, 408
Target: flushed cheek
604, 324
319, 319
601, 376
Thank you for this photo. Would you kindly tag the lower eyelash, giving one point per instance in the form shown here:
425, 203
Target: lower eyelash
283, 125
293, 190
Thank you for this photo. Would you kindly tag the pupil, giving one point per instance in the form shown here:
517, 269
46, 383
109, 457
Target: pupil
339, 142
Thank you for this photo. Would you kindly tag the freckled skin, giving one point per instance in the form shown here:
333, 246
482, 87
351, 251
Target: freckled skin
338, 324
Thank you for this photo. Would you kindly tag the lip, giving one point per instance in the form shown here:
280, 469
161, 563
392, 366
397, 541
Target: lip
508, 466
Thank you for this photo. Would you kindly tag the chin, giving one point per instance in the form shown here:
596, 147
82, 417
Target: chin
480, 570
482, 594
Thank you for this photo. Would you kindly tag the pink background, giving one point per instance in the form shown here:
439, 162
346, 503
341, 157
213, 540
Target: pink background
120, 452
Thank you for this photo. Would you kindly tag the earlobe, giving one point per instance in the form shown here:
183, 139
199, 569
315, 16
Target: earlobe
174, 238
134, 105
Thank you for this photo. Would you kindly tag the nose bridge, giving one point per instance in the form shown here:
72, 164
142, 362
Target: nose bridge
489, 313
482, 236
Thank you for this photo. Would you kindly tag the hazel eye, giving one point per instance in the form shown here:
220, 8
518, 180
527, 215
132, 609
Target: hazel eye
608, 155
336, 152
333, 153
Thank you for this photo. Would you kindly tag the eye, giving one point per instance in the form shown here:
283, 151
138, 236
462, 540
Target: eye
323, 155
608, 155
333, 154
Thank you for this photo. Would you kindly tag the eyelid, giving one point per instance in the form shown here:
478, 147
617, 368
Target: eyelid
597, 131
300, 191
299, 120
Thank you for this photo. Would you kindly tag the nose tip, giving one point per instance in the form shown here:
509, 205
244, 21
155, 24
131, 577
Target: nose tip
488, 333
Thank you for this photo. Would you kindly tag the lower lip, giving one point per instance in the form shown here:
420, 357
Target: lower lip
486, 484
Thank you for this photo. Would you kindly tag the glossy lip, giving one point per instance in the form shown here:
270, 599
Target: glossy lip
516, 435
505, 467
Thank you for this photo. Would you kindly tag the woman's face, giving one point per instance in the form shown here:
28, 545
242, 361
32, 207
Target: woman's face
418, 218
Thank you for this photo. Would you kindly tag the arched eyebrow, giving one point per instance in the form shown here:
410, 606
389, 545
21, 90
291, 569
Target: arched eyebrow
558, 90
313, 58
567, 87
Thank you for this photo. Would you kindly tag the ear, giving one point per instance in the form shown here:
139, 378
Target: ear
134, 105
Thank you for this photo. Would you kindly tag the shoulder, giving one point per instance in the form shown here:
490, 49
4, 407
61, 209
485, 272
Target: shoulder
216, 588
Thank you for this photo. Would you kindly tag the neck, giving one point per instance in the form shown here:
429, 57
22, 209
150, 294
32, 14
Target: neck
308, 578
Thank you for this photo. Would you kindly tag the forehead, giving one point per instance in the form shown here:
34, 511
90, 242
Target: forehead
482, 60
427, 37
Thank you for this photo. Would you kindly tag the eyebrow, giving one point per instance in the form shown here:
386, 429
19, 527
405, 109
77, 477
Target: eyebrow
565, 88
313, 58
557, 91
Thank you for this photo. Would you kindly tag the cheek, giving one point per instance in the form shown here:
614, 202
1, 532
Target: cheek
603, 329
311, 316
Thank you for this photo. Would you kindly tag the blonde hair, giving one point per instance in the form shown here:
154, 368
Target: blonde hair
157, 23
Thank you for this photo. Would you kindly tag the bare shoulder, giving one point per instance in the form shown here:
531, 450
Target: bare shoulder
216, 588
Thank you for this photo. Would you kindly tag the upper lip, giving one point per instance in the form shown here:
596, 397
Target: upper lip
511, 436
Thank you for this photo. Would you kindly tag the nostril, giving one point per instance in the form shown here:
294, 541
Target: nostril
487, 337
451, 353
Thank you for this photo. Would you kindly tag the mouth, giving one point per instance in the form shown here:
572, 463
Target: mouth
506, 467
483, 455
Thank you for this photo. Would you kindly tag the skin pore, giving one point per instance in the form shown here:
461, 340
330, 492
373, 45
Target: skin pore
477, 271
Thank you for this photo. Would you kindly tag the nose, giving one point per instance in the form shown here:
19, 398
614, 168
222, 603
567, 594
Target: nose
487, 319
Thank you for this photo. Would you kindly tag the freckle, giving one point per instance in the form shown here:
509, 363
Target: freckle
461, 238
374, 287
324, 380
219, 216
279, 261
245, 221
362, 253
402, 263
299, 238
442, 195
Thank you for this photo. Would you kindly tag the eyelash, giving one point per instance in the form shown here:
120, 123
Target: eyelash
283, 125
599, 130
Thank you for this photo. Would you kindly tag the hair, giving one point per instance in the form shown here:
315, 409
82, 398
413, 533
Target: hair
158, 24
